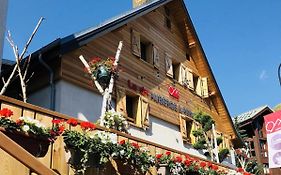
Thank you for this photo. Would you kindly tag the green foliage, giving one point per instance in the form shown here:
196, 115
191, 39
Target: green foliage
219, 140
241, 132
200, 144
223, 153
205, 120
198, 133
254, 168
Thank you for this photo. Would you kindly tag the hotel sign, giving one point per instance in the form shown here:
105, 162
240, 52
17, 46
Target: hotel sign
273, 131
160, 99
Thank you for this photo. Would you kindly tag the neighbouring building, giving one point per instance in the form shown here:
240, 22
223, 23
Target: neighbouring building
3, 15
164, 73
252, 123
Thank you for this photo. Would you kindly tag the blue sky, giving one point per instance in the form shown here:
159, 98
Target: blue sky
242, 39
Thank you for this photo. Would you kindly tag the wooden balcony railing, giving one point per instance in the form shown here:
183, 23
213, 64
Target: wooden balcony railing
13, 164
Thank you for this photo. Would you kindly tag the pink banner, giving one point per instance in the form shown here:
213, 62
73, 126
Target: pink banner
273, 131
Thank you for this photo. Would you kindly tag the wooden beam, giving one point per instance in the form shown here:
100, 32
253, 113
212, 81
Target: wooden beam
16, 151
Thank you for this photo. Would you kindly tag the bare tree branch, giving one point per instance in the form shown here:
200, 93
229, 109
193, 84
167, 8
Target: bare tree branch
29, 77
31, 37
27, 62
4, 88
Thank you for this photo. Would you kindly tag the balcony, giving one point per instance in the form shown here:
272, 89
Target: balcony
15, 160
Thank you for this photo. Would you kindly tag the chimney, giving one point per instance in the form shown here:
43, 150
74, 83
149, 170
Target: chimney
137, 3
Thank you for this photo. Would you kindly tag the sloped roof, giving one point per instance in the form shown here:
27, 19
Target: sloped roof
251, 114
83, 37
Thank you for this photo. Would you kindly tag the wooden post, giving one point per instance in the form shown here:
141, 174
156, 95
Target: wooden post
216, 144
107, 92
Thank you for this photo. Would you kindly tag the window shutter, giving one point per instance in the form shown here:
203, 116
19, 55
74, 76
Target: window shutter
144, 113
139, 113
182, 77
136, 49
192, 138
205, 90
169, 65
121, 101
189, 79
183, 127
156, 57
199, 87
142, 116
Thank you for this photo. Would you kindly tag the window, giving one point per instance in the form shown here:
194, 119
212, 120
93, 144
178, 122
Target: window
186, 127
201, 86
146, 50
133, 106
176, 70
168, 23
187, 56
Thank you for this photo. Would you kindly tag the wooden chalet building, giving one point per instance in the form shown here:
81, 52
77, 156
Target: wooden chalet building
164, 72
252, 122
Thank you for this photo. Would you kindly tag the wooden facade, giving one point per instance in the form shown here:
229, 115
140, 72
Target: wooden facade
161, 56
172, 42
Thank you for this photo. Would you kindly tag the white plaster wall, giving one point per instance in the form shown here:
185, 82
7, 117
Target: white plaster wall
40, 98
3, 15
70, 100
166, 134
73, 100
76, 101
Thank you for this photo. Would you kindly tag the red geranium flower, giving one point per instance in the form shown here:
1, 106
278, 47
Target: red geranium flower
5, 112
246, 173
136, 145
72, 122
209, 164
87, 125
158, 156
178, 159
95, 60
56, 121
19, 122
168, 153
187, 157
122, 142
187, 162
215, 167
203, 164
240, 170
61, 129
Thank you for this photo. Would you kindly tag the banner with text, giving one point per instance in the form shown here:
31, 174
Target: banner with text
273, 131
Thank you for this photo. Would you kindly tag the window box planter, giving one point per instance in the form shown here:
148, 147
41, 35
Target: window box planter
127, 168
163, 169
36, 146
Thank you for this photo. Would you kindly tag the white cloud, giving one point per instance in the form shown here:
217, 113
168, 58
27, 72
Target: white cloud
263, 75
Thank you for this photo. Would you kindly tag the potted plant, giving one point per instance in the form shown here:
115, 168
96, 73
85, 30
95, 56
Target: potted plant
29, 133
162, 162
101, 69
132, 158
115, 120
88, 148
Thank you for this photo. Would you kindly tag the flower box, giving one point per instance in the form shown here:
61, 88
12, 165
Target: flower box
163, 169
77, 156
36, 146
126, 168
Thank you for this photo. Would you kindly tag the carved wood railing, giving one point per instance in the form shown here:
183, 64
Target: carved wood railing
56, 158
